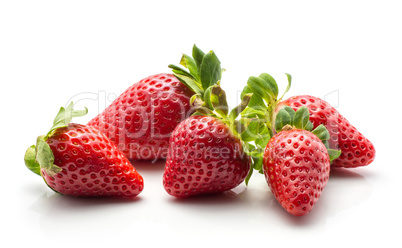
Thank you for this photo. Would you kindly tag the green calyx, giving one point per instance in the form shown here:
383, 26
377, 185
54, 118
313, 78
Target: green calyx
259, 116
40, 156
203, 70
299, 119
264, 122
264, 100
30, 160
202, 74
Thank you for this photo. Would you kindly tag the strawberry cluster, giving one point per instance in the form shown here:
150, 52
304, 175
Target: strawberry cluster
297, 141
184, 118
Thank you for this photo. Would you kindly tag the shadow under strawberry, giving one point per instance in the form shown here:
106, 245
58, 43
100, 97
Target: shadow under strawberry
236, 195
345, 173
146, 166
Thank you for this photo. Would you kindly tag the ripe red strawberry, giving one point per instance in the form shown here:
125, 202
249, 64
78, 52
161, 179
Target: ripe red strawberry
78, 160
296, 166
141, 120
356, 149
296, 160
204, 157
205, 153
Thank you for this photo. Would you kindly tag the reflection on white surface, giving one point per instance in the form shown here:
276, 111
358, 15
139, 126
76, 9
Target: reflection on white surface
346, 189
154, 211
82, 216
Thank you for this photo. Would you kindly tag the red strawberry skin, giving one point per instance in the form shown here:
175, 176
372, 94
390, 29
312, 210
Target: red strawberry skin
204, 157
296, 166
141, 120
91, 165
356, 149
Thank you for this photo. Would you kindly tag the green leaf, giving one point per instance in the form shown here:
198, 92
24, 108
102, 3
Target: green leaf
253, 113
282, 119
30, 160
218, 100
255, 153
256, 102
190, 64
210, 70
333, 154
207, 98
326, 143
248, 147
271, 82
309, 126
321, 132
198, 55
252, 130
189, 82
239, 126
199, 105
250, 173
263, 138
64, 117
196, 101
301, 118
257, 163
261, 88
45, 158
289, 77
291, 113
289, 82
198, 113
178, 70
242, 106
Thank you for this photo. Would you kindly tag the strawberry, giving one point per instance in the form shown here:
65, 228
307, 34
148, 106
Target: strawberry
204, 157
296, 162
141, 120
205, 152
356, 149
78, 160
292, 153
296, 166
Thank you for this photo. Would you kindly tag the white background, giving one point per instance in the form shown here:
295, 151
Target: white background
52, 52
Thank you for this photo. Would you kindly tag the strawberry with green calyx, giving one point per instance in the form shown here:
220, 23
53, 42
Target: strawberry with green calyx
141, 120
300, 119
356, 149
205, 152
78, 160
296, 161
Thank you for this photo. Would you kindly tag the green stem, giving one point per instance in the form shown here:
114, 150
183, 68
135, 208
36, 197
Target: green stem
272, 117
